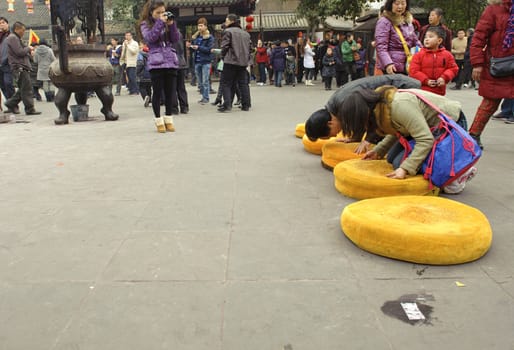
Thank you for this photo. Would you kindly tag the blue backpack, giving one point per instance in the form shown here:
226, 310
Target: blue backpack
453, 153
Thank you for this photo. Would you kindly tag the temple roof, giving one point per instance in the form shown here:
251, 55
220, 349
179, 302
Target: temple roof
196, 3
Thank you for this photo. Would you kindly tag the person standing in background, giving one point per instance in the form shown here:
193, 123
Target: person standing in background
494, 37
203, 42
435, 19
235, 52
6, 81
180, 98
43, 57
114, 54
129, 52
396, 18
19, 60
459, 45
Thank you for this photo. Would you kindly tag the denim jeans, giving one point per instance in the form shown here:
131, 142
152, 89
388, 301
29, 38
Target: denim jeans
132, 83
262, 72
202, 75
278, 78
507, 107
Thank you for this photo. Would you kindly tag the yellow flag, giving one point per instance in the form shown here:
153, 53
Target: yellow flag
33, 37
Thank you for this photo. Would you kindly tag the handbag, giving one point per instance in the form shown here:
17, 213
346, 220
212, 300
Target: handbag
454, 151
501, 66
408, 54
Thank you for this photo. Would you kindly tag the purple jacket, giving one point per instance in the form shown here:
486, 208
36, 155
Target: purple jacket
278, 59
389, 46
161, 54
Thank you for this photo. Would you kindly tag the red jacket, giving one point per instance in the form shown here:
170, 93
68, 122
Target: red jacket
261, 56
431, 65
488, 42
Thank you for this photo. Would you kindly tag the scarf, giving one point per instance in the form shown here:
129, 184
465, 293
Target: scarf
509, 33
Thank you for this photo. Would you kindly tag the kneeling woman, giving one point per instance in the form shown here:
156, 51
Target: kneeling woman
390, 112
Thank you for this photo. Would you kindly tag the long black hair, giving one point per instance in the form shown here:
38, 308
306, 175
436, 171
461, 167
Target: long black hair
357, 113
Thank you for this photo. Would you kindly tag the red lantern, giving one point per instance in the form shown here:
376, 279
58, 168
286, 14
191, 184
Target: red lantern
249, 19
249, 27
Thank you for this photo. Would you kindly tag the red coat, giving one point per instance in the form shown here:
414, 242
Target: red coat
262, 56
489, 34
431, 65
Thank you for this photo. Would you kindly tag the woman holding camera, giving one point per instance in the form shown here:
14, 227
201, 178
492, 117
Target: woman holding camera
159, 31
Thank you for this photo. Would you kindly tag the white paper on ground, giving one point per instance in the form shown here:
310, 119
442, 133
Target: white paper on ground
412, 311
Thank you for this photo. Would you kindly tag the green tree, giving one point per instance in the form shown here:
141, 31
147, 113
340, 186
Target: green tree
316, 11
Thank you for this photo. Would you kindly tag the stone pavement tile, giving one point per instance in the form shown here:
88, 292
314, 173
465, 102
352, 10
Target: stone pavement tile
22, 216
94, 216
167, 256
256, 214
303, 314
288, 255
134, 316
177, 214
479, 315
33, 315
46, 256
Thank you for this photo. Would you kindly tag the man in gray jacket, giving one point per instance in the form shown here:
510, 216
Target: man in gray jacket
235, 52
18, 55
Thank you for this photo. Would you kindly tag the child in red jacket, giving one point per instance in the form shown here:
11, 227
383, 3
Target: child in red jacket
433, 65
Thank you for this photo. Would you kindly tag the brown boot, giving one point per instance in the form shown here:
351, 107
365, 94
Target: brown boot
168, 122
159, 123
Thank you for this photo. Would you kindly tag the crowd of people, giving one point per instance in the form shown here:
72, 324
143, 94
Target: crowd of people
156, 68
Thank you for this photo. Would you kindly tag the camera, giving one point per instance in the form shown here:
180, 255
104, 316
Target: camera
169, 15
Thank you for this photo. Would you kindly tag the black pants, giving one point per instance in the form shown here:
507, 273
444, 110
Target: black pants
6, 82
180, 98
328, 82
235, 76
24, 91
458, 79
163, 80
145, 89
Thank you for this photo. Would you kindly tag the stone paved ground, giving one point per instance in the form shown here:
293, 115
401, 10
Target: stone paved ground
223, 235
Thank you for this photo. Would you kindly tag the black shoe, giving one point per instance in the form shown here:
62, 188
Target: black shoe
32, 112
509, 120
14, 110
224, 109
246, 109
212, 92
499, 116
216, 103
237, 103
184, 111
477, 139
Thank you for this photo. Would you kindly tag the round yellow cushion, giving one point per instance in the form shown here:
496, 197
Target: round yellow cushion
424, 230
363, 179
314, 147
334, 153
300, 130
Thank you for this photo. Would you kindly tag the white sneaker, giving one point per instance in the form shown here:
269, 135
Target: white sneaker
458, 185
465, 86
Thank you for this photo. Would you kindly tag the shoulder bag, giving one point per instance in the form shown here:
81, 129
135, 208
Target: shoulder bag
405, 48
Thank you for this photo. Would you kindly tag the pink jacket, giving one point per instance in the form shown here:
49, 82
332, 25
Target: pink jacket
389, 46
